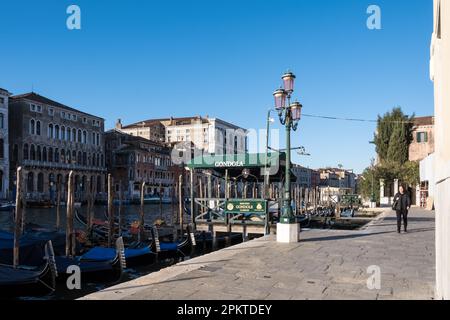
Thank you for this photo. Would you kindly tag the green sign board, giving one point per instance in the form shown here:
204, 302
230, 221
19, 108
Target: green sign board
246, 206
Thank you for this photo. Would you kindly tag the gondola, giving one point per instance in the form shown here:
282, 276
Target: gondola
7, 206
95, 265
26, 281
173, 250
92, 263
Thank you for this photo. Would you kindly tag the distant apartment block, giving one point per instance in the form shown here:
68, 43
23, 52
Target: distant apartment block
209, 135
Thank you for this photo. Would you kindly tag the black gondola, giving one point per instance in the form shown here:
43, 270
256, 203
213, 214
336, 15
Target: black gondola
26, 281
173, 250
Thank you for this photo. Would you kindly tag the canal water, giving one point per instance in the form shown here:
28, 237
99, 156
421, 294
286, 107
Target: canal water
47, 219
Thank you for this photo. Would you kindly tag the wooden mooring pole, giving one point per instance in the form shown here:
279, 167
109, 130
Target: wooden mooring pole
180, 203
18, 218
110, 211
58, 203
142, 215
70, 246
120, 207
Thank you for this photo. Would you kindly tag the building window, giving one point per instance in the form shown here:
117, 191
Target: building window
32, 153
38, 108
84, 137
68, 134
74, 135
2, 100
63, 133
38, 153
2, 149
51, 112
25, 152
38, 128
50, 131
84, 120
79, 136
74, 117
50, 154
44, 154
57, 132
56, 155
33, 107
32, 126
63, 115
2, 121
422, 137
40, 182
30, 182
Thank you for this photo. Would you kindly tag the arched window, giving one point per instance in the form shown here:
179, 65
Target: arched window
30, 182
26, 156
50, 154
63, 156
32, 153
57, 132
99, 184
68, 157
63, 133
32, 126
38, 128
98, 160
84, 159
2, 149
102, 161
74, 135
84, 137
79, 159
44, 154
38, 154
56, 155
40, 182
50, 131
79, 136
74, 156
68, 134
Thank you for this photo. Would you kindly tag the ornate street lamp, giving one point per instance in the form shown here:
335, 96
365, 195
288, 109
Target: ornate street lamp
289, 115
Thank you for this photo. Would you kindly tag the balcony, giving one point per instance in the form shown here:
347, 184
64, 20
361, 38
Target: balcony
58, 165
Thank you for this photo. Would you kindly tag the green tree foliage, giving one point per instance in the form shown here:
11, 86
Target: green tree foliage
393, 136
392, 140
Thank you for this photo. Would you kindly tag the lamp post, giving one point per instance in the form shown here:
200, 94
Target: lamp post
266, 160
289, 115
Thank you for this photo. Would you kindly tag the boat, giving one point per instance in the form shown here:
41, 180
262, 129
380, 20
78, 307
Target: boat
92, 262
157, 200
26, 281
39, 204
96, 265
7, 206
176, 249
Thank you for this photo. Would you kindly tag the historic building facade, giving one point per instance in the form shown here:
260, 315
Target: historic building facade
4, 145
422, 144
49, 139
132, 160
207, 135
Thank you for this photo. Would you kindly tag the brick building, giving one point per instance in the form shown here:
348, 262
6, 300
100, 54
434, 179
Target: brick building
423, 139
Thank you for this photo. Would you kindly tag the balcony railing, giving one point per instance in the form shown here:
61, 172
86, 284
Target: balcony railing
59, 165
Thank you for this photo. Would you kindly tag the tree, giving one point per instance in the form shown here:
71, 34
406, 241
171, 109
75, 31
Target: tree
394, 131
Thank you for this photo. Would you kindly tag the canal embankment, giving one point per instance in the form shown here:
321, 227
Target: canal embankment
374, 262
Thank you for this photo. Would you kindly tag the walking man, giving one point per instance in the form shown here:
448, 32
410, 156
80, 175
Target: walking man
402, 203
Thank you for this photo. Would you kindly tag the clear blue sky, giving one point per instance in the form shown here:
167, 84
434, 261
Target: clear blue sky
146, 59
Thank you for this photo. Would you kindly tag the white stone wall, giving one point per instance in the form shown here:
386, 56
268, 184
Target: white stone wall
440, 74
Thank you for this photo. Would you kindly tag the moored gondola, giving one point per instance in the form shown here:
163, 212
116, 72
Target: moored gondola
26, 281
173, 250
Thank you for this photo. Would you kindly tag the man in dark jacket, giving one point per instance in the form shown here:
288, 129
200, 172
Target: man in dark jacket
402, 203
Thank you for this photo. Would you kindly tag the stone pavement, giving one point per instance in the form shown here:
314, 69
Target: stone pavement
326, 264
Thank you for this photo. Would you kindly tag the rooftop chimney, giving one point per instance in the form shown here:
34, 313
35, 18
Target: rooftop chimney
119, 124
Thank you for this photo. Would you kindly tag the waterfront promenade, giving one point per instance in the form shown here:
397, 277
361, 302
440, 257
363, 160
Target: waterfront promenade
326, 264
